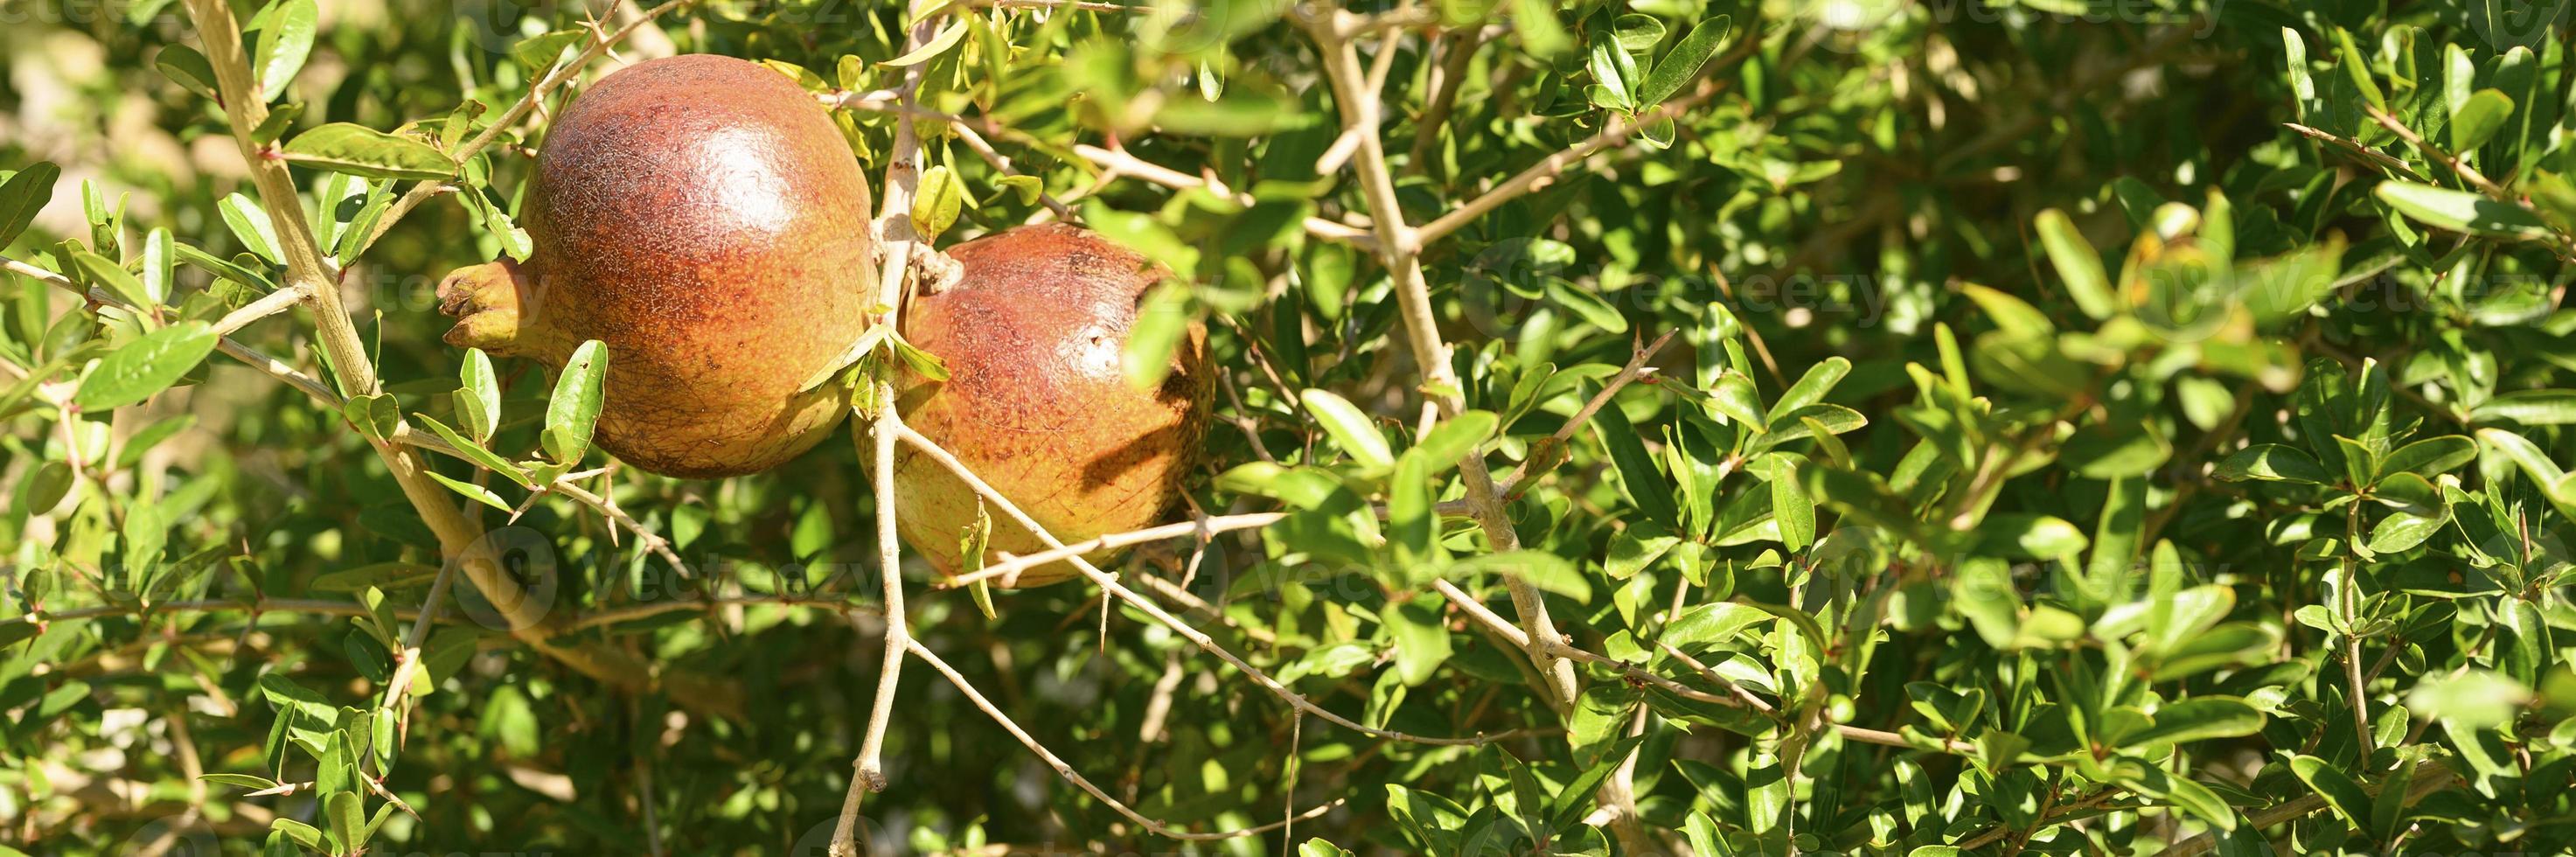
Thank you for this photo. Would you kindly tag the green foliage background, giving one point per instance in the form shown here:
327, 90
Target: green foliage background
2044, 402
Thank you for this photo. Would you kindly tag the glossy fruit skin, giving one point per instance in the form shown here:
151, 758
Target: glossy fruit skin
1037, 402
704, 218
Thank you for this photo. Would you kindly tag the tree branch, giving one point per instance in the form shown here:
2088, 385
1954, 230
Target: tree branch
353, 367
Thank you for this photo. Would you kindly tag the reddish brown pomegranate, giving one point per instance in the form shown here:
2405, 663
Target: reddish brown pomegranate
702, 217
1037, 402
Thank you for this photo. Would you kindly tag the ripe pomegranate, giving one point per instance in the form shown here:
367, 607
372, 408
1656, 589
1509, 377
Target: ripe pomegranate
702, 217
1037, 402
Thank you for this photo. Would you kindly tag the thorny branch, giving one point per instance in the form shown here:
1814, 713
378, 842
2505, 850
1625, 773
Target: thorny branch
896, 236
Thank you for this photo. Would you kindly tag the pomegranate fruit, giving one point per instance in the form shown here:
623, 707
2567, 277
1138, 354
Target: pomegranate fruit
702, 217
1037, 402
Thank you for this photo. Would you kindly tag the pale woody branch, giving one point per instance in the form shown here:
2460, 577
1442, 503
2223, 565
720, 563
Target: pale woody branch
895, 239
355, 369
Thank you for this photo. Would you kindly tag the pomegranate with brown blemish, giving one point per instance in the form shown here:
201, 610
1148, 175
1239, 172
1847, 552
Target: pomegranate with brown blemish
1037, 402
702, 217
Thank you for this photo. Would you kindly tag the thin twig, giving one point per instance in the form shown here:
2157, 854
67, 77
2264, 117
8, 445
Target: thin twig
1011, 566
1120, 162
269, 304
2466, 173
2374, 156
1546, 171
932, 450
1066, 771
1635, 368
647, 610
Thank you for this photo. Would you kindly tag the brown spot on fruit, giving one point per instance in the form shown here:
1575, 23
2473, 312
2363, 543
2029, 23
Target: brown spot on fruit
704, 218
1038, 403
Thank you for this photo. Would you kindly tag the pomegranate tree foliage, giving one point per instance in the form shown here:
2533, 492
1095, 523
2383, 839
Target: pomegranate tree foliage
2087, 428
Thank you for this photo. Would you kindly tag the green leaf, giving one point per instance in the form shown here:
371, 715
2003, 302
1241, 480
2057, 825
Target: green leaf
1587, 306
1791, 508
938, 44
2431, 456
1320, 848
805, 78
1421, 638
2358, 70
1735, 397
937, 201
477, 493
1456, 438
2076, 263
107, 272
1684, 62
474, 452
159, 255
1638, 474
387, 576
1637, 32
342, 147
348, 819
304, 834
2475, 698
1811, 387
1541, 33
2461, 211
540, 52
145, 366
250, 223
2477, 121
24, 194
478, 398
2529, 407
279, 119
2534, 463
285, 39
245, 781
572, 413
2272, 462
2013, 316
186, 67
374, 416
1572, 801
2197, 719
1546, 571
2342, 793
1162, 323
1349, 428
2030, 536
